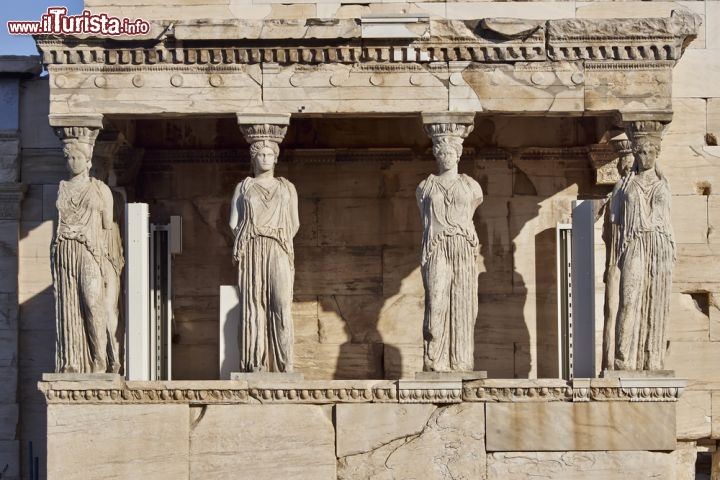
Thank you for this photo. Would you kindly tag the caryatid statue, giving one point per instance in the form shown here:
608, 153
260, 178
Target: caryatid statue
611, 236
81, 259
645, 255
264, 220
450, 248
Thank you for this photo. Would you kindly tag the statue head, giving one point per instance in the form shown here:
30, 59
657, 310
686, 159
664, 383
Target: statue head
646, 149
263, 155
447, 152
78, 155
625, 163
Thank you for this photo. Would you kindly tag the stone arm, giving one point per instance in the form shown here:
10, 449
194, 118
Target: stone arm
234, 214
107, 211
294, 216
477, 193
418, 198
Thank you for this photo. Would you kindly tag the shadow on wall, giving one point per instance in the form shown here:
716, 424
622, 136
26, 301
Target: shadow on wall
359, 301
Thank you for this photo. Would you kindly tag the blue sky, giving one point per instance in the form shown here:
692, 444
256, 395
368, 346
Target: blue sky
27, 10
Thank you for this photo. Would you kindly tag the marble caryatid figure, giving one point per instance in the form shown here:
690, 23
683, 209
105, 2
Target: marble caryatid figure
611, 236
105, 153
450, 248
645, 256
81, 261
264, 219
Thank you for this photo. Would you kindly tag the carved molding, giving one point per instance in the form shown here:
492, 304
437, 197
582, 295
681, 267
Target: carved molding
360, 391
486, 393
489, 41
257, 127
430, 391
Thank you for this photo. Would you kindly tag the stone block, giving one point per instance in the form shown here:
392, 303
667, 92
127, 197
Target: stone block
694, 419
401, 179
9, 231
690, 170
450, 445
349, 318
344, 361
697, 74
714, 315
262, 442
535, 10
350, 221
38, 311
365, 427
688, 321
309, 222
713, 113
9, 414
41, 166
35, 239
8, 311
713, 209
338, 270
10, 459
689, 123
35, 130
9, 278
113, 441
354, 180
690, 227
580, 426
696, 362
31, 209
8, 348
635, 89
609, 9
8, 384
402, 360
401, 319
511, 89
50, 211
715, 408
401, 271
712, 24
694, 268
34, 277
677, 465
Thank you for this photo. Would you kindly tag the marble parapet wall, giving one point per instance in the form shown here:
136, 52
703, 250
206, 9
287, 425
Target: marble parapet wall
372, 65
363, 429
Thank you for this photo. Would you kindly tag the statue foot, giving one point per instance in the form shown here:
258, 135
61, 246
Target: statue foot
115, 367
99, 366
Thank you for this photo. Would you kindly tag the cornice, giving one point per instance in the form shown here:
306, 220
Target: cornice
314, 41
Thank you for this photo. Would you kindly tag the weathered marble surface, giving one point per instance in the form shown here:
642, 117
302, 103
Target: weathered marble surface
645, 256
565, 426
677, 465
449, 445
85, 262
450, 247
264, 220
103, 441
262, 442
